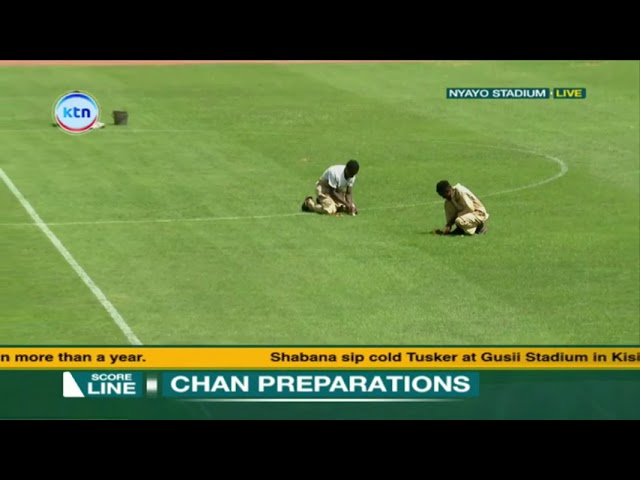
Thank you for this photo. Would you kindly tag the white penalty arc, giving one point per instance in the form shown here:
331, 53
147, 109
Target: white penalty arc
563, 168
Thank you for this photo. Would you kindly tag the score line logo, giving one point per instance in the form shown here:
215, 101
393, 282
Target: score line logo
102, 384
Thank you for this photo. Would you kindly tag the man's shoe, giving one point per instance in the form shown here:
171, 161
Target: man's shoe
481, 229
305, 205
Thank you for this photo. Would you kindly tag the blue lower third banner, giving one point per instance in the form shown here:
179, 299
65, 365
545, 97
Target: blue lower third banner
320, 385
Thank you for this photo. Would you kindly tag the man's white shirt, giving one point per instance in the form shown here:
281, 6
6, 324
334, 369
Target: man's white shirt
334, 176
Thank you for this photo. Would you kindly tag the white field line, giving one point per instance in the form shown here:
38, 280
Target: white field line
563, 169
117, 318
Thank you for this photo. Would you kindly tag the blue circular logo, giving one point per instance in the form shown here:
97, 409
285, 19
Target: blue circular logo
76, 112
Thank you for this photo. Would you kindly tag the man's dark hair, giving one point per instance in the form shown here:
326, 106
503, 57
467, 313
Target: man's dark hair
353, 166
442, 186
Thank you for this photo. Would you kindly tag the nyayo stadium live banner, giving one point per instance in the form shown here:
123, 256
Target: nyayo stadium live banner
352, 382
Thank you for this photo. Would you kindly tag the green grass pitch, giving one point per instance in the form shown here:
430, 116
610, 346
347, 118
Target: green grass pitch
188, 219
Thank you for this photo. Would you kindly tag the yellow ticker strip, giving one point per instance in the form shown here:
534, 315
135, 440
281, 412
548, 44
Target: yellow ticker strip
319, 358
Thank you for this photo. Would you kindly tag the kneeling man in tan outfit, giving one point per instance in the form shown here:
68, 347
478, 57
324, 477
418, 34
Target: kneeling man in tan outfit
462, 209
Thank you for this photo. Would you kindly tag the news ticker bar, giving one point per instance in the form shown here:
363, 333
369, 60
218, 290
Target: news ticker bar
318, 358
274, 385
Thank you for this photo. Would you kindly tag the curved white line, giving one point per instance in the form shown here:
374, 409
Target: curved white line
564, 168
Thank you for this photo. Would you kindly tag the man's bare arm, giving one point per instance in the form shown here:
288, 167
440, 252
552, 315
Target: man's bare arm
349, 200
338, 197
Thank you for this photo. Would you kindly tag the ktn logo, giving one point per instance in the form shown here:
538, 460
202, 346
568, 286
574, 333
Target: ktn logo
76, 112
